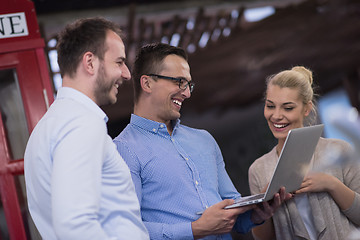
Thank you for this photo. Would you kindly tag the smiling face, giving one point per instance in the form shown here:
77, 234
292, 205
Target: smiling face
284, 110
112, 71
166, 96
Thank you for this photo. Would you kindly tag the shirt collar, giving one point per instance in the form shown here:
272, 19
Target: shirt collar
67, 92
150, 125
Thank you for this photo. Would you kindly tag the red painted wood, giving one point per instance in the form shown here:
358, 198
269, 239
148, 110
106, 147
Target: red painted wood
24, 54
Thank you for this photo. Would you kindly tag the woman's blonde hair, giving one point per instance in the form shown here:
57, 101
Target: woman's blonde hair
299, 78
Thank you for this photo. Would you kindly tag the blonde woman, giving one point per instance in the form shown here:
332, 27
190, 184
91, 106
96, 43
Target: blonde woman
327, 205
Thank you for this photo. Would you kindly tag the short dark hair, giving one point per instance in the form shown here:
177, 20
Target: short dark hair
149, 59
87, 34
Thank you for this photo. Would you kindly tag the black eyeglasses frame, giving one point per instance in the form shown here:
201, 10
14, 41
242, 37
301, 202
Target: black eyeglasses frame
191, 84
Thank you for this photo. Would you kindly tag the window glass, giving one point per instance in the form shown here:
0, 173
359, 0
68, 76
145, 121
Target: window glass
12, 114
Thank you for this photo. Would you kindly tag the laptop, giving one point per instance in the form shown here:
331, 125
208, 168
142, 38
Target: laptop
292, 166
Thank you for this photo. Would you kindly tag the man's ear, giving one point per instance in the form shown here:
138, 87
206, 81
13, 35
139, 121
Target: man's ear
89, 62
146, 82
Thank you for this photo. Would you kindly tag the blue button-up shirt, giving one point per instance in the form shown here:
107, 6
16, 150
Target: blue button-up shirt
78, 186
175, 176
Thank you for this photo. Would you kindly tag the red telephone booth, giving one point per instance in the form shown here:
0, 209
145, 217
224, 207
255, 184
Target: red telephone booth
25, 94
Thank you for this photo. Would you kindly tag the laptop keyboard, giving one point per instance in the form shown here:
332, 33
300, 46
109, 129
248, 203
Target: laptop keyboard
249, 198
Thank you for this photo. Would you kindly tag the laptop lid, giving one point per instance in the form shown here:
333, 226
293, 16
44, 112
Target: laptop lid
292, 166
294, 160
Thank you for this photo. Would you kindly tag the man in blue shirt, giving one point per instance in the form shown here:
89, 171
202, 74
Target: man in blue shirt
78, 186
178, 171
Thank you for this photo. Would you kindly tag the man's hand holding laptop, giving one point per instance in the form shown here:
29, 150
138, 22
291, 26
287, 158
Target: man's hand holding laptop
217, 220
222, 220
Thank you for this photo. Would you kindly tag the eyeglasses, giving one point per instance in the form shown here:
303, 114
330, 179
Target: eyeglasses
183, 82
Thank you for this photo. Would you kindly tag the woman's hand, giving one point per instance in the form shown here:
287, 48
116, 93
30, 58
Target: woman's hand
317, 182
322, 182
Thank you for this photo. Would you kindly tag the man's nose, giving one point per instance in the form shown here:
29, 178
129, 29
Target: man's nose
187, 92
125, 74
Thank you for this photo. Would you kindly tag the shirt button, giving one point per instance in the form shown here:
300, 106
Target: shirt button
162, 126
154, 130
197, 183
186, 159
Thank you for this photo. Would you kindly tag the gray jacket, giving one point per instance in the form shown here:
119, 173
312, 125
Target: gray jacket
330, 221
